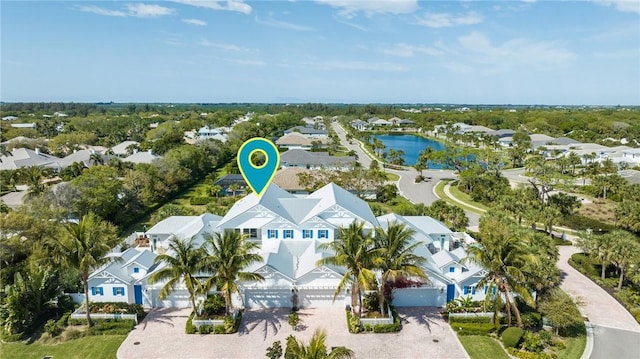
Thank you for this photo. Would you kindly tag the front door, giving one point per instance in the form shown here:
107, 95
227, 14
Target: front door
451, 292
137, 293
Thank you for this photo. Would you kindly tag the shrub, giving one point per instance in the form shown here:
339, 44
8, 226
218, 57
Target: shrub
536, 342
527, 355
214, 305
275, 350
471, 319
371, 302
111, 327
512, 336
531, 319
64, 319
205, 329
473, 328
294, 320
11, 337
189, 327
71, 334
396, 326
353, 323
200, 201
52, 328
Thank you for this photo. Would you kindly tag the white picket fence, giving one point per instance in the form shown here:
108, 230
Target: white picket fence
212, 322
378, 321
79, 314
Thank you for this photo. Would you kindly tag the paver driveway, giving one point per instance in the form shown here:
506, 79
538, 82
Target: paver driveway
161, 335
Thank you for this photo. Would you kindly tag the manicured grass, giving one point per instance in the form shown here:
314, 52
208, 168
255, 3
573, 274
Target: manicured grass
455, 191
574, 347
439, 189
481, 347
94, 347
392, 177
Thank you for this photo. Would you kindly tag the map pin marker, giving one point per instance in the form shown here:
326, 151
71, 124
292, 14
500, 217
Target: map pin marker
258, 176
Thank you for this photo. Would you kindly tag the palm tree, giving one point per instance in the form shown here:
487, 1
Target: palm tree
84, 246
96, 159
183, 262
599, 248
33, 176
503, 254
397, 258
425, 156
625, 252
317, 348
354, 251
227, 255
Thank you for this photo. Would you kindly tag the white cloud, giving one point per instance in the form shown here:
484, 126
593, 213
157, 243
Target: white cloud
146, 10
622, 5
226, 47
132, 10
282, 24
354, 65
101, 11
406, 50
350, 8
195, 22
514, 53
438, 20
228, 5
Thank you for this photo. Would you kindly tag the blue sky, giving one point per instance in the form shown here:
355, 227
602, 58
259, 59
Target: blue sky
347, 51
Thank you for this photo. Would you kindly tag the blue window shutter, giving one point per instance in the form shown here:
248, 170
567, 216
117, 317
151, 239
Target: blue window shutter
466, 289
310, 234
93, 290
276, 233
269, 233
486, 287
473, 290
115, 290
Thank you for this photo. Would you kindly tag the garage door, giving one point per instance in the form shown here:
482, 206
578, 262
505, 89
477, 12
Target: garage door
313, 298
419, 297
177, 299
267, 298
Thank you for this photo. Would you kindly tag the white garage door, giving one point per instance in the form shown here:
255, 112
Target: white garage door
313, 298
177, 299
267, 298
419, 297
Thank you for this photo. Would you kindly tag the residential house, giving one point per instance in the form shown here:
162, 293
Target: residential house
31, 125
289, 231
308, 131
141, 157
315, 160
125, 148
9, 118
207, 133
296, 140
288, 180
24, 157
360, 125
632, 156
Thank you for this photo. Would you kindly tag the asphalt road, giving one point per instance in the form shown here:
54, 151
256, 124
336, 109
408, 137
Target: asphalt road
414, 192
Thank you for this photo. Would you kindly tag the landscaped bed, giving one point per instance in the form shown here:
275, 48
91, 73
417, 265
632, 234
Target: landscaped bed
211, 317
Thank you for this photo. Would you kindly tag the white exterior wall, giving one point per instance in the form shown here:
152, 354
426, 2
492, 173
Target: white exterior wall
107, 286
420, 297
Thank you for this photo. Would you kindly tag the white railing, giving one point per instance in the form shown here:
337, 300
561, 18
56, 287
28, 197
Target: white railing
80, 315
478, 314
377, 321
212, 322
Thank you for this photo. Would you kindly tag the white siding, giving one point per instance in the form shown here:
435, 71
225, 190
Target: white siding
419, 297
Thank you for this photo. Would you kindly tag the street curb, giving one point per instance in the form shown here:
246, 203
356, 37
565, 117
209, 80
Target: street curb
588, 348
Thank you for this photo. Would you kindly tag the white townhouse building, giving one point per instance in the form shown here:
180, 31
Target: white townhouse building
290, 230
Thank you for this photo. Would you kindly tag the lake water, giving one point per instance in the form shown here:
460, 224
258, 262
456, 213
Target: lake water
412, 146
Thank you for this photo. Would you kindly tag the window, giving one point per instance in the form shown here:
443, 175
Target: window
272, 233
288, 233
452, 269
118, 290
323, 233
96, 291
136, 270
251, 232
307, 233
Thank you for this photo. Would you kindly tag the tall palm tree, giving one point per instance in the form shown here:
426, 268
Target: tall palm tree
83, 246
183, 262
96, 159
397, 259
33, 176
227, 256
356, 252
600, 248
502, 253
317, 348
424, 157
625, 252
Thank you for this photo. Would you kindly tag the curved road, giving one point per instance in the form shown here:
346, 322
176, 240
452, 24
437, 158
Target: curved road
616, 334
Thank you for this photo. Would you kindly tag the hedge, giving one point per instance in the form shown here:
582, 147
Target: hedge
189, 327
473, 328
354, 325
512, 336
200, 201
471, 319
108, 327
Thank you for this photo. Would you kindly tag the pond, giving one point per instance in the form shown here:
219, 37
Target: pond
412, 146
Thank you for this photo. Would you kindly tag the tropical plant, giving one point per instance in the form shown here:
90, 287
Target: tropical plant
396, 258
182, 263
317, 348
228, 254
625, 252
355, 251
84, 246
502, 253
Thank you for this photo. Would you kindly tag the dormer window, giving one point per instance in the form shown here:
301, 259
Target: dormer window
136, 270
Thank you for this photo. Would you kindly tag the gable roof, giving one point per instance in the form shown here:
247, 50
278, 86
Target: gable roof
24, 157
121, 148
141, 157
185, 226
288, 179
296, 138
331, 195
298, 157
118, 267
305, 130
269, 200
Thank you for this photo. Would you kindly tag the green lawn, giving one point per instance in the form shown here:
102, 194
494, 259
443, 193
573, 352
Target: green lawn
481, 347
93, 347
466, 198
392, 177
439, 189
574, 347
